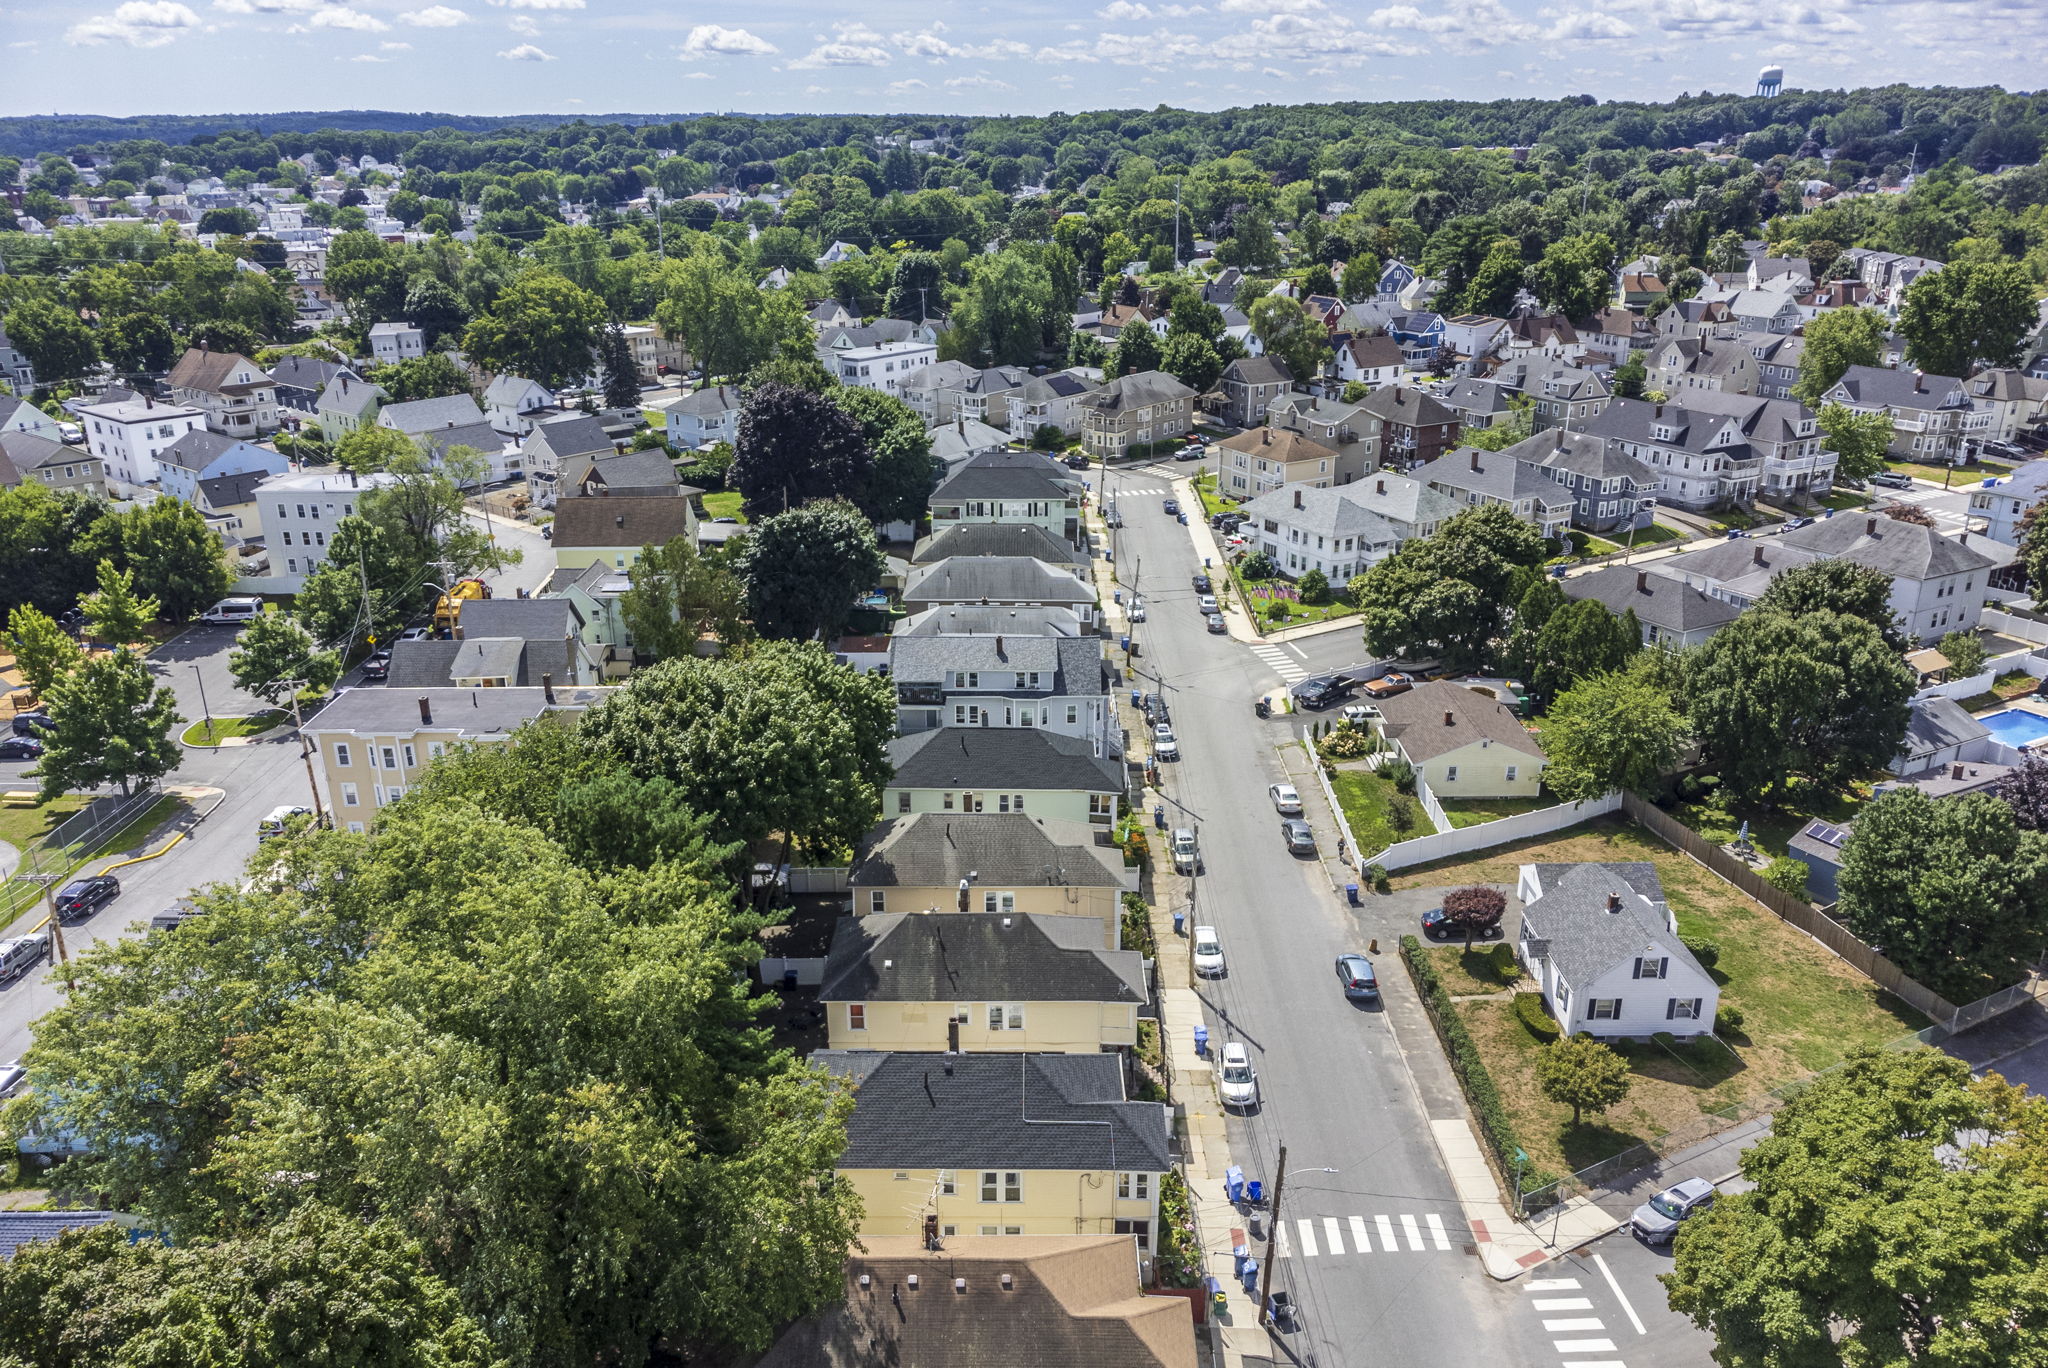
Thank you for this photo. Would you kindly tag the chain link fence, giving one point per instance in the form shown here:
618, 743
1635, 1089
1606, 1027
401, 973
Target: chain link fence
54, 856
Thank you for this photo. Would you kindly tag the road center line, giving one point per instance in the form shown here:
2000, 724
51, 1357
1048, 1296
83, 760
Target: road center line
1619, 1295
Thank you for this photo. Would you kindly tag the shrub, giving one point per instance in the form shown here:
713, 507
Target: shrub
1400, 815
1315, 587
1481, 1093
1343, 744
1728, 1021
1257, 566
1376, 875
1400, 774
1137, 926
1581, 1073
1787, 875
1530, 1011
1707, 952
1277, 610
1048, 437
1505, 966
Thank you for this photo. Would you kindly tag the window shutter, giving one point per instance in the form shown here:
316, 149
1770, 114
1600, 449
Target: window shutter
1664, 968
1671, 1009
1639, 968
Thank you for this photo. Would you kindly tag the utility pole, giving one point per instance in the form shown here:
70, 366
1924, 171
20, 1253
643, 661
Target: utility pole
1272, 1234
1176, 225
306, 754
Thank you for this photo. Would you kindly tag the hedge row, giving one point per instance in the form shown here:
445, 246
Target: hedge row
1495, 1128
1530, 1011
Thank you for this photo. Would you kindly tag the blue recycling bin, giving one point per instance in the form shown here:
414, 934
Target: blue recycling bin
1180, 921
1137, 698
1233, 1184
1351, 893
1254, 1192
1250, 1273
1202, 1040
1117, 596
1123, 643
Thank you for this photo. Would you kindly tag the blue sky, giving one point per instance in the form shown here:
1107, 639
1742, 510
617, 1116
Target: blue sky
597, 56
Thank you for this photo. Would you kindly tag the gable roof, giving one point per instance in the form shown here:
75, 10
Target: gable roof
1406, 406
1258, 370
306, 372
416, 416
1327, 512
1030, 759
963, 437
998, 539
1657, 600
1902, 550
1581, 453
649, 471
1004, 849
1064, 664
620, 520
977, 957
1494, 474
1006, 475
18, 1228
1938, 723
26, 451
1278, 444
1416, 720
575, 434
194, 449
1899, 389
1001, 1111
710, 402
991, 579
967, 618
346, 394
1597, 916
1136, 391
231, 491
207, 370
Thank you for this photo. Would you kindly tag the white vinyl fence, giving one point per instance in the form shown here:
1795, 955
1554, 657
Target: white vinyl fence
1501, 831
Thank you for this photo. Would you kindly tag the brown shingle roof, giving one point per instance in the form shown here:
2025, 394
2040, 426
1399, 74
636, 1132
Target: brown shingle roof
1416, 720
203, 370
1278, 444
620, 520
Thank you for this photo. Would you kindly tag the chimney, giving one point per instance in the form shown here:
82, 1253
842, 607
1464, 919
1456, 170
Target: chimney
953, 1035
1660, 410
1380, 486
426, 712
1955, 771
1642, 581
619, 519
1919, 383
1400, 396
569, 655
354, 481
458, 629
1870, 527
1475, 460
547, 688
1450, 719
1297, 498
1756, 554
1265, 436
1614, 902
148, 402
344, 384
999, 649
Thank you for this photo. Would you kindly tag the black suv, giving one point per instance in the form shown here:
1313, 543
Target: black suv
1437, 926
83, 897
1202, 585
30, 723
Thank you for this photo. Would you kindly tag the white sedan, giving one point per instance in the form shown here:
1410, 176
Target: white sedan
1286, 801
1137, 613
1239, 1081
1208, 953
1163, 743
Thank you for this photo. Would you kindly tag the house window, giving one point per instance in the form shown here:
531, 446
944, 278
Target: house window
856, 1016
1134, 1187
390, 758
1450, 774
348, 796
1603, 1009
1005, 1186
434, 749
1683, 1009
1073, 714
999, 902
946, 801
1651, 968
1140, 1230
341, 756
877, 900
903, 801
1005, 1016
410, 761
946, 1185
1513, 771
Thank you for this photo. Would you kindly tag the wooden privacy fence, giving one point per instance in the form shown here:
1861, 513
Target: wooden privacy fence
1795, 911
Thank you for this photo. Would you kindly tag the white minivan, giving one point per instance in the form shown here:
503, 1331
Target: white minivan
234, 610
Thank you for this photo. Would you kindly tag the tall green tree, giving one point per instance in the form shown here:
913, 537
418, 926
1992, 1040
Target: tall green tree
113, 726
1967, 856
1575, 275
1579, 1072
1611, 731
1496, 282
1894, 1219
1837, 586
1192, 361
1860, 441
620, 374
1835, 341
804, 569
1965, 313
42, 651
542, 327
372, 448
56, 344
1447, 596
795, 446
999, 316
275, 657
777, 739
432, 376
172, 550
678, 595
362, 1292
51, 544
115, 613
1137, 349
1581, 638
1290, 336
900, 483
139, 342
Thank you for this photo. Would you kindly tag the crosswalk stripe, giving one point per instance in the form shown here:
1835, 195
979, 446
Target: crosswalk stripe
1358, 1235
1308, 1238
1563, 1303
1437, 1235
1283, 1248
1330, 1230
1551, 1285
1411, 1230
1592, 1346
1386, 1226
1573, 1323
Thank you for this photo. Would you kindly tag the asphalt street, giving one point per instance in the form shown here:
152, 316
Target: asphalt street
252, 779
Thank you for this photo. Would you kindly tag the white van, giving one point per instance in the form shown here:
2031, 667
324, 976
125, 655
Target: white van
234, 610
274, 824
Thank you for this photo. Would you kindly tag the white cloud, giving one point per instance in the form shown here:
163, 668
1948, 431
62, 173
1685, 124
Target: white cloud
1589, 27
541, 4
977, 83
1409, 17
696, 75
706, 39
343, 18
139, 23
369, 57
526, 52
931, 46
268, 6
525, 25
841, 55
905, 87
1136, 9
394, 47
1272, 6
434, 16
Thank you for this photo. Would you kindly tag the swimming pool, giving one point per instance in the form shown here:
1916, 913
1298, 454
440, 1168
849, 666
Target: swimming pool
2016, 726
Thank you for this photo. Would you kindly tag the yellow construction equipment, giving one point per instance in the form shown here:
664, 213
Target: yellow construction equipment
448, 610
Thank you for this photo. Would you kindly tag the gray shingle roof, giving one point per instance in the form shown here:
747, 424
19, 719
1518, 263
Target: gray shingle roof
1406, 406
999, 1111
1900, 389
1581, 453
578, 434
977, 957
1005, 475
346, 394
1005, 849
1657, 600
620, 520
998, 539
1259, 370
1138, 390
480, 436
1012, 759
424, 415
645, 472
393, 710
1902, 550
1938, 723
994, 579
1416, 720
228, 491
18, 1228
974, 617
707, 403
305, 372
1325, 512
1494, 474
1586, 938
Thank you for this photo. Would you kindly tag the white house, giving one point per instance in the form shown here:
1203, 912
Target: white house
391, 342
300, 514
884, 366
1302, 528
1603, 947
700, 419
513, 404
130, 434
204, 455
2003, 503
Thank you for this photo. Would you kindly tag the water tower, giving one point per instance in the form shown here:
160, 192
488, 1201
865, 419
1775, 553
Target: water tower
1769, 81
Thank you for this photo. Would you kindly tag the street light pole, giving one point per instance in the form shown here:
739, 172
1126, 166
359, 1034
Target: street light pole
196, 674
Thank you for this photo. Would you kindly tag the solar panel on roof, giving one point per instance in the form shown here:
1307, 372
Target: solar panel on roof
1831, 835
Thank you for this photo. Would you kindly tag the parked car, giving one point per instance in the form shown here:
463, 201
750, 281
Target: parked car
1794, 524
1171, 507
1323, 690
1077, 462
1208, 953
1388, 685
83, 897
2010, 451
1188, 453
1217, 626
1206, 604
1356, 974
1286, 800
377, 665
1438, 926
29, 723
1137, 609
1240, 1081
1154, 707
1892, 479
1163, 743
278, 821
71, 434
1187, 859
1202, 585
416, 634
18, 954
1359, 714
12, 1076
20, 748
1657, 1220
174, 916
1301, 840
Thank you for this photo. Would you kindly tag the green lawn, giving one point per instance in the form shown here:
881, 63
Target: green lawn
1950, 475
1656, 534
127, 837
1586, 544
1843, 498
1212, 502
1745, 520
1263, 594
1371, 805
1804, 1009
1465, 812
1478, 971
724, 504
1771, 827
225, 727
22, 827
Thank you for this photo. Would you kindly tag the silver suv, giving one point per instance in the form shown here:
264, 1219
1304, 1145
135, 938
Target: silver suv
1657, 1220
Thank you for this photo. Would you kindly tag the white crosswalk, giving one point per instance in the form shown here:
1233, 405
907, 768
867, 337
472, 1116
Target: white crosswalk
1310, 1237
1290, 670
1542, 1296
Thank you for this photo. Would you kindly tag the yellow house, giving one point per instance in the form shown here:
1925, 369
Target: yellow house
1000, 1144
1463, 743
979, 981
612, 530
1004, 769
1001, 862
